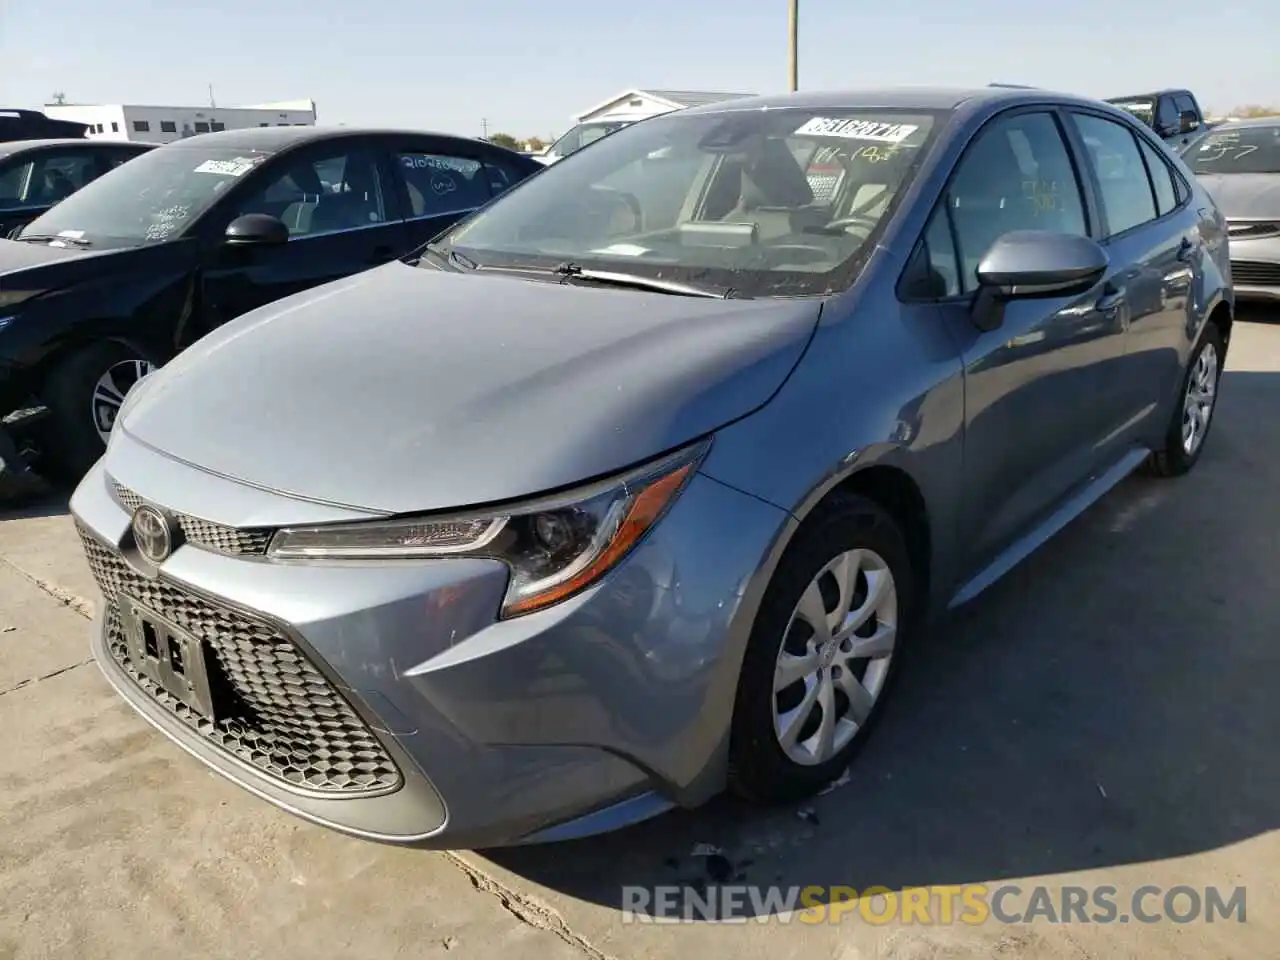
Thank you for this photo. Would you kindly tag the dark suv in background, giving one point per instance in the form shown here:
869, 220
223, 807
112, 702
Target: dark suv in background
1174, 115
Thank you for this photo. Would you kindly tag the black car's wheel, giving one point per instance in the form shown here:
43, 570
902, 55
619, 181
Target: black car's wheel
825, 647
1193, 412
83, 394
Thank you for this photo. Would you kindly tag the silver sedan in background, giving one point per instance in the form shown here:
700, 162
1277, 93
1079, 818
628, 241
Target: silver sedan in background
1238, 162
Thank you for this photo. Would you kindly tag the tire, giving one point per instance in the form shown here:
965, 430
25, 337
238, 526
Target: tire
1174, 459
761, 770
71, 440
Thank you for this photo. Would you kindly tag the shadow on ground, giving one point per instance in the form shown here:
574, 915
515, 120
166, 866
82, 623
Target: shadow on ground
1112, 701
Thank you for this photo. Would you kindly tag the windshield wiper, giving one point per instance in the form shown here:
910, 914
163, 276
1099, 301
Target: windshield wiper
641, 282
49, 237
450, 259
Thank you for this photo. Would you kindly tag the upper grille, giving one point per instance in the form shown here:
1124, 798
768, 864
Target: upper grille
283, 717
1252, 229
1254, 273
240, 541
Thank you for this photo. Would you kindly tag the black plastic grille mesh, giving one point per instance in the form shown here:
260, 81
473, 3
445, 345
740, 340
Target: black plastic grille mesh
247, 541
1257, 274
282, 716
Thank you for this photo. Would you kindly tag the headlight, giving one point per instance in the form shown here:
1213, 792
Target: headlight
555, 547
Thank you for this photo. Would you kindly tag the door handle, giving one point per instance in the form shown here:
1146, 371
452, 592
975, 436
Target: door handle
1186, 250
1112, 299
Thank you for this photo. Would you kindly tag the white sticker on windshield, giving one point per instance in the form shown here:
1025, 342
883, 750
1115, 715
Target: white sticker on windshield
624, 250
236, 167
847, 129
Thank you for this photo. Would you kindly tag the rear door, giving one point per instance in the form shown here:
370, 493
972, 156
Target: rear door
342, 216
1151, 235
440, 180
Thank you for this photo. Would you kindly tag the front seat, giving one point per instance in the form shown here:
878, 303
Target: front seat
775, 193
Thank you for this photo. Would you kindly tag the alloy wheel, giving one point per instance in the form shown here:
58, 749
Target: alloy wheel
111, 389
835, 656
1197, 405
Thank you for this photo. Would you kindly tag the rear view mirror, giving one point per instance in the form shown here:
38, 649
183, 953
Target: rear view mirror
257, 230
1024, 264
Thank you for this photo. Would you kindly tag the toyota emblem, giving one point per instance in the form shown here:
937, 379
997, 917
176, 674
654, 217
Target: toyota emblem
152, 533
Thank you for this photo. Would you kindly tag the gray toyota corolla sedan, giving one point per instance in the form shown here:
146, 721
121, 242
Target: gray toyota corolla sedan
1239, 164
639, 483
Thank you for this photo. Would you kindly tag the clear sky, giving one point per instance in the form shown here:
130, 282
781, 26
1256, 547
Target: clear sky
527, 66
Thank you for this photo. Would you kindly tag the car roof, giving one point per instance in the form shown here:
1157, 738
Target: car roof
899, 98
277, 139
1155, 94
1244, 122
10, 147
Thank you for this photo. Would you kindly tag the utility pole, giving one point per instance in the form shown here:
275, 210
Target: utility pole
211, 100
793, 40
484, 127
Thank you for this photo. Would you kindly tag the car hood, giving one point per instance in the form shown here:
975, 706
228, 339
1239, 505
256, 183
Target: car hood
1245, 196
39, 267
409, 389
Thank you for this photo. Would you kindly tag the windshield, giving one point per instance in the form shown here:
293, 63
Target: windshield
582, 135
765, 202
1242, 150
1144, 110
153, 197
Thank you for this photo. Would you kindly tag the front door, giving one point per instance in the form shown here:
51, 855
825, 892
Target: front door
341, 216
1037, 398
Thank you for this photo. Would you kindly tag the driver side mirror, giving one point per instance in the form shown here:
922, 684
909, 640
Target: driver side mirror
1026, 264
1188, 120
256, 230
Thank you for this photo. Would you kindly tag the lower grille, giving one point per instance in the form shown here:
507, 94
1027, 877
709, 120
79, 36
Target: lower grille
1252, 273
239, 541
282, 716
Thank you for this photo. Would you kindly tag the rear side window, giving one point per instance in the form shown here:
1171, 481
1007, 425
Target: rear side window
1113, 153
439, 184
1162, 180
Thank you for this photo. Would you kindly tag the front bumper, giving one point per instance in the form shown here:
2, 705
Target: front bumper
385, 700
1255, 268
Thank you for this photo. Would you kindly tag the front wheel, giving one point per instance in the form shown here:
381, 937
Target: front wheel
1193, 412
825, 647
84, 394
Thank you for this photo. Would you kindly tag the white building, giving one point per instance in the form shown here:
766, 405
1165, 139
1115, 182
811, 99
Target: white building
126, 121
641, 104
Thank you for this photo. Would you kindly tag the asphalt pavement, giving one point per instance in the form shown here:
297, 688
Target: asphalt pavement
1106, 715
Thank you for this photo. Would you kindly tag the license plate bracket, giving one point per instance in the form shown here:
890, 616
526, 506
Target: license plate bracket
172, 658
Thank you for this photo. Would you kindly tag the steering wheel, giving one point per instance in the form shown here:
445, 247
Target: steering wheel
854, 220
630, 200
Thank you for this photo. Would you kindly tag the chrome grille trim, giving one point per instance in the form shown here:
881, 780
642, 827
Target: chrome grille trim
236, 541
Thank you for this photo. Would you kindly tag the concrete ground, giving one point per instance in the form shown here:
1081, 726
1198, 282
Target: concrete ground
1108, 714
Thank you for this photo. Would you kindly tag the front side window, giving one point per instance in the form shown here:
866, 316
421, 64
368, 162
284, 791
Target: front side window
328, 190
152, 198
54, 176
439, 184
1017, 175
1122, 177
741, 199
1252, 149
1167, 114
